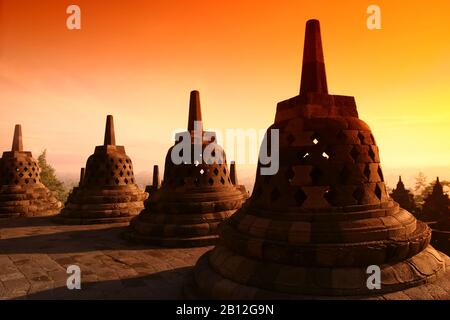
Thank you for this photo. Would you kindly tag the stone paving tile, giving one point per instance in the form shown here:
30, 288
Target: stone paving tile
35, 254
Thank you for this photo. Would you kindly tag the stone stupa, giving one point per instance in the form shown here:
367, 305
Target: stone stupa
315, 228
107, 191
194, 197
21, 190
436, 210
404, 197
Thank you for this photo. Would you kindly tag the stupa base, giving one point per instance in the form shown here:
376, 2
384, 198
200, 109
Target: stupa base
177, 230
424, 276
36, 201
203, 241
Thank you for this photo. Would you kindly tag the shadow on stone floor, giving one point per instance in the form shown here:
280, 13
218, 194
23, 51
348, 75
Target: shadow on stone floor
62, 241
165, 285
22, 222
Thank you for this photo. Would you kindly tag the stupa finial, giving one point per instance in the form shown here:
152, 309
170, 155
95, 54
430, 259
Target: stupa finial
195, 111
314, 77
110, 137
17, 144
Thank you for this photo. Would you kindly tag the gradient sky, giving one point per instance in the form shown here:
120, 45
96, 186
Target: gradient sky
138, 60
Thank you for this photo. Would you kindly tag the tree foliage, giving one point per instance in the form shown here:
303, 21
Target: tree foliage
49, 179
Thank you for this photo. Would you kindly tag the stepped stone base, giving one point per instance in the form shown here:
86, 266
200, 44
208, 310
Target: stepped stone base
30, 201
95, 206
424, 276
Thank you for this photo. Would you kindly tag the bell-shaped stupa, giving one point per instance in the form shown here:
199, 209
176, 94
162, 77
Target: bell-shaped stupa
322, 225
436, 211
195, 196
21, 190
107, 191
404, 197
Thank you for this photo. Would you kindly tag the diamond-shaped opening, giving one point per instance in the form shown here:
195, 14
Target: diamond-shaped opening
127, 161
16, 181
124, 167
120, 161
21, 174
222, 181
34, 169
275, 195
290, 174
315, 138
378, 192
202, 171
34, 180
128, 173
358, 194
121, 173
367, 171
132, 180
117, 167
330, 196
126, 181
371, 153
361, 138
27, 181
216, 171
290, 139
211, 181
117, 181
25, 169
300, 197
315, 175
224, 171
380, 173
20, 164
30, 174
354, 153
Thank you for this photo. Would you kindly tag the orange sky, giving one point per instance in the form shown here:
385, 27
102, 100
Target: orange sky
138, 60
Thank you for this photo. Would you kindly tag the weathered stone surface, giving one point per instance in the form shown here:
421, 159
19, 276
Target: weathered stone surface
107, 191
313, 229
35, 254
194, 198
21, 190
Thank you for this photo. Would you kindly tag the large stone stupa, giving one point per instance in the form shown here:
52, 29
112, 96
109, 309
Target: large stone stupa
317, 227
21, 190
194, 197
107, 191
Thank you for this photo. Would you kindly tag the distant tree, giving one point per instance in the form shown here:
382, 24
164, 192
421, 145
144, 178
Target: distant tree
49, 179
419, 188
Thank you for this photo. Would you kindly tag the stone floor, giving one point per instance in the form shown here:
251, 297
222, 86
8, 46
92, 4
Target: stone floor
35, 254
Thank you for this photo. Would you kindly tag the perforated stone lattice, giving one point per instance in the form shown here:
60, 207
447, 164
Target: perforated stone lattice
109, 169
19, 171
342, 164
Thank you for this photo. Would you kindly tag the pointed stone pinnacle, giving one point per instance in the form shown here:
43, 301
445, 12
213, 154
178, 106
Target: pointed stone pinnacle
314, 79
110, 137
156, 181
17, 144
400, 179
82, 171
233, 173
195, 111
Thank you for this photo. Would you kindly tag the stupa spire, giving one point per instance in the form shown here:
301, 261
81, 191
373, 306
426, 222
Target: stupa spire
156, 180
17, 144
314, 77
195, 111
110, 137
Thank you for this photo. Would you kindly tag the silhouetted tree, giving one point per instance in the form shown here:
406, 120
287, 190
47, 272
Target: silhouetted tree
49, 179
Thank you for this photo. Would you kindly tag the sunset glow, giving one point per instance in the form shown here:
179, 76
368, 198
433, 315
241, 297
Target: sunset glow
138, 60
